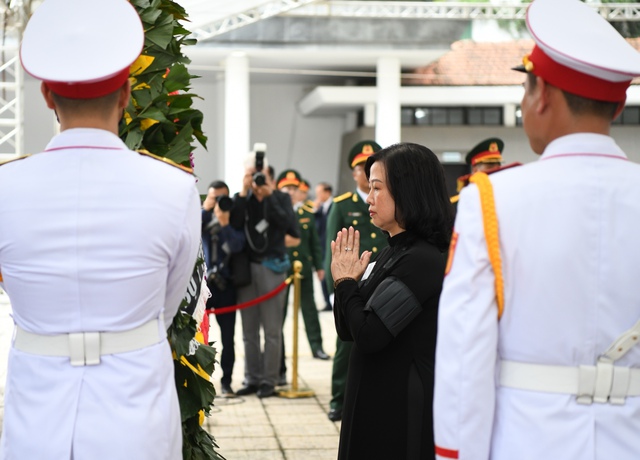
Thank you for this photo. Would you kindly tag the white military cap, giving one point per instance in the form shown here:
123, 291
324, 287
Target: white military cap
578, 51
82, 48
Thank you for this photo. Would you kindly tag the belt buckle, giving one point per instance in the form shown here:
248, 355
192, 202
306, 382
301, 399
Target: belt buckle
84, 348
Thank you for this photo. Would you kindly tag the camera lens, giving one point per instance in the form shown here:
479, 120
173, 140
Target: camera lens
260, 179
224, 203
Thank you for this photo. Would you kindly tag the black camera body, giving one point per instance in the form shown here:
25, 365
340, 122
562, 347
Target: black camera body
225, 203
216, 279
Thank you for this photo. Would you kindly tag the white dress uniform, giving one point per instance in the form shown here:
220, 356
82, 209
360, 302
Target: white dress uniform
544, 380
94, 237
570, 268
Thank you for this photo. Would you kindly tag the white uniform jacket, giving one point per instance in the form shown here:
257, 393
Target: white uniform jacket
94, 237
571, 267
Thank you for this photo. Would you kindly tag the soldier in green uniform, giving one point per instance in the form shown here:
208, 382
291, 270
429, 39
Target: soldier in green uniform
486, 156
350, 210
308, 252
303, 195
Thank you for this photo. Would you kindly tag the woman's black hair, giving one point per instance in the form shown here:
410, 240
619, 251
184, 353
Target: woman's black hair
415, 179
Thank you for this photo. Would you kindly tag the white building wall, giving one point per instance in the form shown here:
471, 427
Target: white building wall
315, 145
310, 145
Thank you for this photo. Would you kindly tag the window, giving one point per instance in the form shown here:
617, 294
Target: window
443, 116
629, 116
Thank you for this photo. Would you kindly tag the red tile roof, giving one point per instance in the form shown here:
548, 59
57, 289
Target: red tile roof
472, 63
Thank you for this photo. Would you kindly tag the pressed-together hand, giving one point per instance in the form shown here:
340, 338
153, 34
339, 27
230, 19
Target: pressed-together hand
345, 262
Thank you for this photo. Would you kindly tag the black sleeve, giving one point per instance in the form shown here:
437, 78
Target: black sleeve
395, 305
280, 213
237, 214
396, 301
355, 324
206, 218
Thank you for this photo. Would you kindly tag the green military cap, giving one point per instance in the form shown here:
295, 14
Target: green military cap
361, 151
487, 151
288, 177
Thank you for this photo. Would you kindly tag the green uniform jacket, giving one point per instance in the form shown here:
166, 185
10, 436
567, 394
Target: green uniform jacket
349, 210
308, 251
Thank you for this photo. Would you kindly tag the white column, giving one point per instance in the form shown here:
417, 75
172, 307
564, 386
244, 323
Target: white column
509, 113
388, 121
236, 118
369, 115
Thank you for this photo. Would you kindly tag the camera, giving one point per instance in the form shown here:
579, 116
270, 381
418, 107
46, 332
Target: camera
214, 278
259, 177
224, 203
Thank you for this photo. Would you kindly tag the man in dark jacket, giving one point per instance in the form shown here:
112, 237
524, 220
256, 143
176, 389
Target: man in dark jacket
268, 217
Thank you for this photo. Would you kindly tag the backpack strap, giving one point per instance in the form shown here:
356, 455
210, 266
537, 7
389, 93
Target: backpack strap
490, 221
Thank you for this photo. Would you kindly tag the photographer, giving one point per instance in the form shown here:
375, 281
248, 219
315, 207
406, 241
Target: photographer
268, 217
220, 239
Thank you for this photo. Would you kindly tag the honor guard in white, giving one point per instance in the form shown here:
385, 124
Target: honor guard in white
97, 244
539, 317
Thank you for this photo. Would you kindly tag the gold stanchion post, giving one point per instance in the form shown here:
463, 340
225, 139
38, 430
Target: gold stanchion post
294, 391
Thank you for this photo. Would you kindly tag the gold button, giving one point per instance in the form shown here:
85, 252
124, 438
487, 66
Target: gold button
375, 249
305, 226
373, 235
295, 253
355, 222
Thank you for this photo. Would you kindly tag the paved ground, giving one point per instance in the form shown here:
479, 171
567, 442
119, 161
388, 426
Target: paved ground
278, 428
251, 428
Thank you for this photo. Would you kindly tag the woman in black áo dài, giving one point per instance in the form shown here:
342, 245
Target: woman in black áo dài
389, 308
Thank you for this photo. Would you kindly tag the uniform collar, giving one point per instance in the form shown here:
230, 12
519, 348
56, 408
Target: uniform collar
86, 138
326, 205
362, 195
583, 144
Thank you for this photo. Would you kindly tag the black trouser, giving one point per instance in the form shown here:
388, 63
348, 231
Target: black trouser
227, 323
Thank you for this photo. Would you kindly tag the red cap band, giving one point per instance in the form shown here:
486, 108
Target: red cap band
89, 90
287, 181
487, 156
360, 158
575, 82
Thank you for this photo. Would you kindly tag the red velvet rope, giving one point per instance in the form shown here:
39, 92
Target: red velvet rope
250, 303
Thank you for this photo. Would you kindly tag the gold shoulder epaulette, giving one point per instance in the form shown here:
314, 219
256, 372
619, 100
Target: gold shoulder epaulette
165, 160
454, 199
308, 208
14, 159
342, 197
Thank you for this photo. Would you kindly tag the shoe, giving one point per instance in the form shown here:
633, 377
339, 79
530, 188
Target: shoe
266, 391
247, 390
335, 415
282, 381
327, 308
226, 391
320, 354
